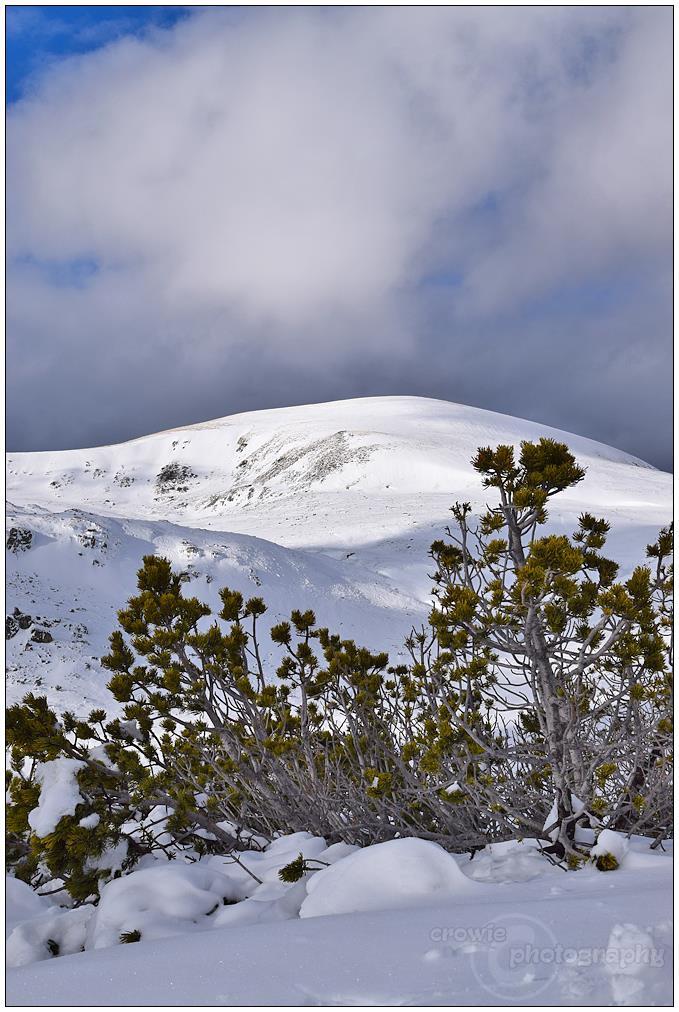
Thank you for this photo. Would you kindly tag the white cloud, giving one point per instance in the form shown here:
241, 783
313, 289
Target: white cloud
298, 172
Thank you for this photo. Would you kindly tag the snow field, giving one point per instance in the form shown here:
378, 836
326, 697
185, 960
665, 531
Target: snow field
400, 923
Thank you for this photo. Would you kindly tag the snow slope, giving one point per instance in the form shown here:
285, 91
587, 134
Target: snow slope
331, 506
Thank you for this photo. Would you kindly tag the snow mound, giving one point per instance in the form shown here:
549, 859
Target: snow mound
609, 842
167, 899
161, 902
21, 903
57, 933
275, 900
392, 875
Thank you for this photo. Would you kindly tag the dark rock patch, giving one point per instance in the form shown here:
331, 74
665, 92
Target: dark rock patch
174, 478
19, 539
41, 636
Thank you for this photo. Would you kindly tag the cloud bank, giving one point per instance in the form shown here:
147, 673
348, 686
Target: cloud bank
293, 205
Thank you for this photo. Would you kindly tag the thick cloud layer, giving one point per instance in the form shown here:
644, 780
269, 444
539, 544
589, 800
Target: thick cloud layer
297, 205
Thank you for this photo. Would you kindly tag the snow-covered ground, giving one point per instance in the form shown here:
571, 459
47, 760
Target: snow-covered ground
330, 506
401, 923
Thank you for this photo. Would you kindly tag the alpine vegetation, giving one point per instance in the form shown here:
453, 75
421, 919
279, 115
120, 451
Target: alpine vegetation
536, 703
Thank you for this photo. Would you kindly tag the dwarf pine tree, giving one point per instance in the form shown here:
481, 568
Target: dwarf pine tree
573, 665
542, 683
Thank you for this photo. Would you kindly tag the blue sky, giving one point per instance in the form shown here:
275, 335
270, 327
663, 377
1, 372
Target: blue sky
37, 37
220, 209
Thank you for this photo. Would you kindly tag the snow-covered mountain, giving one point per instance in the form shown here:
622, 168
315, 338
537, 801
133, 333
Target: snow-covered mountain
330, 506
